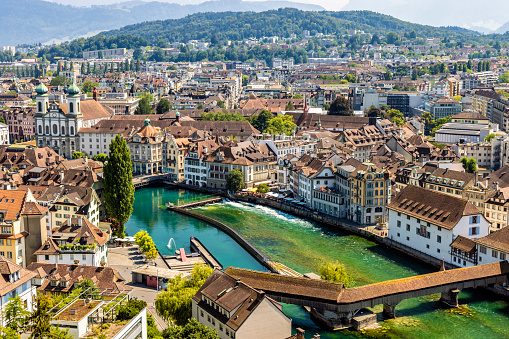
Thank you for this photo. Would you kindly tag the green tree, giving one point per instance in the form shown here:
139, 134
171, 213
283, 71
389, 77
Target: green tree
374, 112
262, 120
262, 188
8, 333
470, 165
192, 330
40, 318
281, 124
2, 120
289, 106
60, 80
144, 106
245, 80
88, 288
163, 106
235, 180
490, 137
118, 183
388, 75
396, 117
391, 38
88, 86
336, 272
340, 106
220, 104
297, 96
15, 315
200, 106
470, 64
504, 78
350, 78
102, 157
78, 154
175, 303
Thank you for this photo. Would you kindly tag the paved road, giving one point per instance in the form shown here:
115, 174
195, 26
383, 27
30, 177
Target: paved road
125, 260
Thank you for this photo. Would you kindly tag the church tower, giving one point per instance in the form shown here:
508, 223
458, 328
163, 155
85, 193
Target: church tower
42, 100
73, 99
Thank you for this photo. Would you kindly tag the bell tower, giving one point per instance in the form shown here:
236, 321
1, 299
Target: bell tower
42, 100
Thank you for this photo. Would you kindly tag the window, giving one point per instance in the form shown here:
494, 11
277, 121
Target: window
9, 255
502, 256
46, 257
408, 217
474, 231
399, 223
474, 219
71, 256
408, 227
427, 246
84, 257
439, 239
482, 249
494, 254
6, 230
438, 250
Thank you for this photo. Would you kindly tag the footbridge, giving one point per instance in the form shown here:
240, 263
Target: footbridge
338, 305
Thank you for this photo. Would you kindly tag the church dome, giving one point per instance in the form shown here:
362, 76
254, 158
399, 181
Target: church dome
41, 89
73, 90
147, 122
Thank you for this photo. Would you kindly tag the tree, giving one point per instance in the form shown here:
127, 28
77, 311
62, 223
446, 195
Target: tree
281, 124
504, 78
192, 330
235, 180
2, 120
102, 157
470, 165
262, 188
262, 120
289, 106
391, 38
490, 137
40, 318
297, 96
175, 303
15, 315
60, 80
340, 106
457, 97
220, 104
78, 154
336, 272
163, 106
374, 112
88, 86
350, 78
118, 183
200, 106
88, 288
396, 117
144, 105
470, 64
137, 53
8, 333
388, 75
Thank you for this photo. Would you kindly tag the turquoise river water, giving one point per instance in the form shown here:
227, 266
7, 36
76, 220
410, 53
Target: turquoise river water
303, 246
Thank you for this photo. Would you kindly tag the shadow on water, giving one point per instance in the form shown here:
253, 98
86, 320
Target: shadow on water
402, 259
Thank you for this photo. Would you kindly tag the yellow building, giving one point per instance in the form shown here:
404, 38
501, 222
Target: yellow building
174, 152
75, 202
370, 193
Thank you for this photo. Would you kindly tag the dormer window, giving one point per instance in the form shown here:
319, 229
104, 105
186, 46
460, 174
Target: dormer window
54, 283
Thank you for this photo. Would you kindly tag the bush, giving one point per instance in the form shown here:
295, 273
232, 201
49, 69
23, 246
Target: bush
263, 188
130, 309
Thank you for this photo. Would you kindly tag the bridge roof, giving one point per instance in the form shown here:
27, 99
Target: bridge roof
284, 285
419, 282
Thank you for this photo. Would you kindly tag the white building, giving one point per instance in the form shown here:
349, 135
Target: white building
57, 125
15, 281
77, 241
4, 134
428, 221
237, 311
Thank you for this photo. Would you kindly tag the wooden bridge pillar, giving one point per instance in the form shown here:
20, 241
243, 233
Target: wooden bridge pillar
389, 311
450, 298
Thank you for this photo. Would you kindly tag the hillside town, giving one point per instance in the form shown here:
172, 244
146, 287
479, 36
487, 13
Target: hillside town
404, 142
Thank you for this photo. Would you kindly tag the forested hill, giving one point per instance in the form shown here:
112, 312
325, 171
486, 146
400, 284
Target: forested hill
282, 23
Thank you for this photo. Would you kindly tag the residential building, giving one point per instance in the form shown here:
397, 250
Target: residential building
20, 122
235, 310
443, 107
73, 202
450, 182
195, 167
77, 241
496, 209
429, 221
4, 134
15, 281
174, 151
146, 147
23, 226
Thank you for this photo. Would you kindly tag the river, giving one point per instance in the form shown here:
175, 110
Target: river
303, 246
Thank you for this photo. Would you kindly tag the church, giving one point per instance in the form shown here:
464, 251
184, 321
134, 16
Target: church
58, 123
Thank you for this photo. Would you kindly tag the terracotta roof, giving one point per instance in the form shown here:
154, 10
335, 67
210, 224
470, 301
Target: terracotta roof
7, 267
431, 206
88, 233
425, 281
470, 116
498, 240
48, 248
90, 109
105, 277
33, 208
463, 244
280, 284
12, 201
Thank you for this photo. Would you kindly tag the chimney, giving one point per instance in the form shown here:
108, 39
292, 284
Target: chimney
80, 221
69, 221
84, 302
300, 333
94, 94
61, 177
